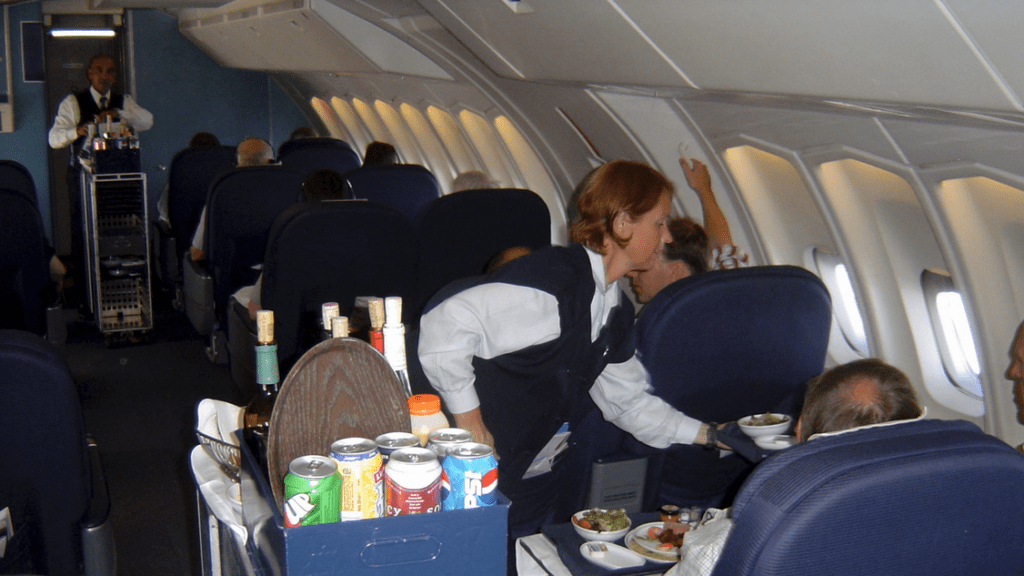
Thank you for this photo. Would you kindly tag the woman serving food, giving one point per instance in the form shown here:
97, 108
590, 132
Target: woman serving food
515, 354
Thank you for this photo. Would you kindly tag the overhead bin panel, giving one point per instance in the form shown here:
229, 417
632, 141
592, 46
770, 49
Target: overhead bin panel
567, 40
876, 50
301, 36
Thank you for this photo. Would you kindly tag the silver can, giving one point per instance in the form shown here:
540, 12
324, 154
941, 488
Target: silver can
388, 443
442, 439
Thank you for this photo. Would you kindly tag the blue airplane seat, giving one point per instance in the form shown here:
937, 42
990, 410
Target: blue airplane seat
52, 478
405, 187
241, 207
15, 176
25, 287
331, 251
308, 155
459, 233
189, 178
929, 497
722, 345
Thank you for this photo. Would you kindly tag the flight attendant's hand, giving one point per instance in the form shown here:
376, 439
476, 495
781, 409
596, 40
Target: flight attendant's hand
474, 423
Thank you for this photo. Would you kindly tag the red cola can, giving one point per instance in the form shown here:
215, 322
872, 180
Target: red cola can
412, 480
469, 477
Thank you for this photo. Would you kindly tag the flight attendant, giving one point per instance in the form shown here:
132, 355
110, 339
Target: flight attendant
97, 103
515, 354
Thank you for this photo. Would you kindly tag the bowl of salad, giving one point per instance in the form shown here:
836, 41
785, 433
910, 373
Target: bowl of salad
764, 424
601, 524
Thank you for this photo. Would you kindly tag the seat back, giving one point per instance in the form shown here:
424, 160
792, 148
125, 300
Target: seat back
25, 287
45, 475
333, 252
310, 154
15, 176
191, 173
461, 232
405, 187
241, 207
917, 498
725, 344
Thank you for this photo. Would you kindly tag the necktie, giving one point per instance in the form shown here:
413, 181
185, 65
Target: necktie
103, 102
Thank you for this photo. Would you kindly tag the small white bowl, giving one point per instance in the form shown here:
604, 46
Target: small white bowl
587, 534
764, 430
775, 442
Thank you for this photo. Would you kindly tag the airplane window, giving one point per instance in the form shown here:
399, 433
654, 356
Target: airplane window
448, 129
407, 148
330, 119
836, 277
360, 137
952, 332
436, 155
490, 148
530, 166
373, 122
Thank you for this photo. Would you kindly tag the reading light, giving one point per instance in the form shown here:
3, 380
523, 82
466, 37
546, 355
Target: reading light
82, 33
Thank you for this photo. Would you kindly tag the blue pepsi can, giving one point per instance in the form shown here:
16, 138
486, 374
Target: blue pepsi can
469, 477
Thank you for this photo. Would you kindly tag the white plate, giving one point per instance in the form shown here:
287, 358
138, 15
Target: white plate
614, 557
775, 442
639, 536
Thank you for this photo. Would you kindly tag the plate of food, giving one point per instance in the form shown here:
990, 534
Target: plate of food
660, 540
601, 524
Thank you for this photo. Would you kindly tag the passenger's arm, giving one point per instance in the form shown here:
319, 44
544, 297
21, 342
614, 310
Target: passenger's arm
65, 128
138, 117
714, 220
623, 394
485, 321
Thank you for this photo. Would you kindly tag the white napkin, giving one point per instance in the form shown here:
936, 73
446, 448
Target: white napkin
544, 549
219, 419
220, 492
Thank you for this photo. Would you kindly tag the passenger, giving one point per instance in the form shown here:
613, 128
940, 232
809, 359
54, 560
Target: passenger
1015, 373
250, 152
302, 132
472, 180
321, 185
854, 396
505, 256
198, 140
692, 246
380, 154
98, 103
515, 354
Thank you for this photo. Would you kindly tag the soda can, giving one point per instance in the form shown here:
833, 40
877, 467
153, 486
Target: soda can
312, 490
388, 443
469, 477
413, 481
442, 439
359, 465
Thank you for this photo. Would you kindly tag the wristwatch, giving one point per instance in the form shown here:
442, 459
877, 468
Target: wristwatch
711, 441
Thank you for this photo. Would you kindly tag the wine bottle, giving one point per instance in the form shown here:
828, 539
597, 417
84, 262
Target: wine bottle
339, 327
256, 419
328, 311
376, 332
394, 341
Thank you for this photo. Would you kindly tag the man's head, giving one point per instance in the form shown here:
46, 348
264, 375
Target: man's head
102, 72
1015, 372
380, 154
687, 254
860, 393
203, 139
302, 132
323, 184
254, 152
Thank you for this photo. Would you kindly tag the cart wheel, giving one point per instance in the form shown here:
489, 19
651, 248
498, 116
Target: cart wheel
109, 340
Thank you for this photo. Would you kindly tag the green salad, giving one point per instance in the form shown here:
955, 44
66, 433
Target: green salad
603, 520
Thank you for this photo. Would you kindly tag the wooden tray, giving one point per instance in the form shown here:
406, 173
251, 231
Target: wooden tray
338, 389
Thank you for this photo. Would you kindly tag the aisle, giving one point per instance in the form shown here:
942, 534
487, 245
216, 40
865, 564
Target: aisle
139, 403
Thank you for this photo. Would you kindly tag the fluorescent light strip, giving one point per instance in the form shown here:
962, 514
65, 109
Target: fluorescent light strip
82, 33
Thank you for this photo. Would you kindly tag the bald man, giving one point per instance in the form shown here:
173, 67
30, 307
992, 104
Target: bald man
250, 152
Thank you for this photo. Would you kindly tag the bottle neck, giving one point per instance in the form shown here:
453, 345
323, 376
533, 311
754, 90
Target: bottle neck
267, 374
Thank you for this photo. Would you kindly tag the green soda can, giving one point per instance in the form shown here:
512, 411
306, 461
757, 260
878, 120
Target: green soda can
312, 492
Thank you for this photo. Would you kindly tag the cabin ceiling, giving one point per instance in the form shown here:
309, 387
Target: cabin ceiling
877, 55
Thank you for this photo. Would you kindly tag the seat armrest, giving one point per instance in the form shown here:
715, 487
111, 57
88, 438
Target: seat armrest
199, 305
166, 248
98, 552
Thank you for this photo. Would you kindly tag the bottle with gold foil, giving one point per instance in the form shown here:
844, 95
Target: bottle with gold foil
376, 332
256, 419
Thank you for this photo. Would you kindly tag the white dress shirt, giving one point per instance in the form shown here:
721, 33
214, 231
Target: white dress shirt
493, 319
65, 126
